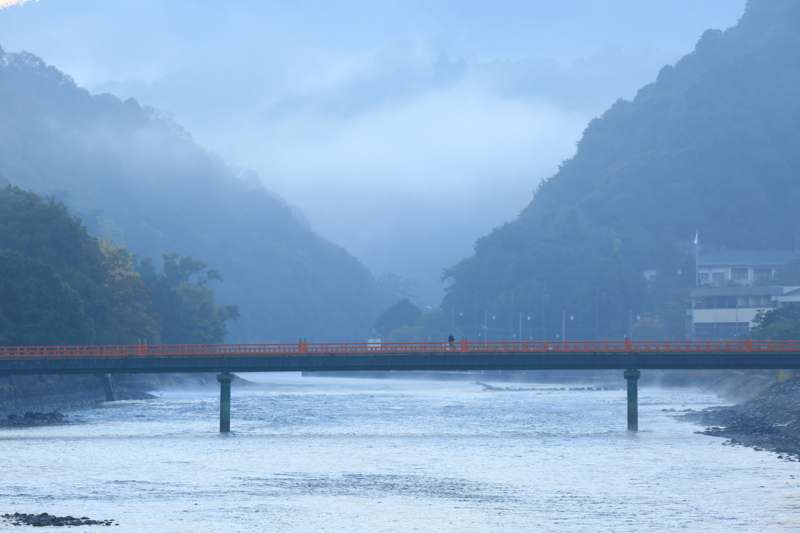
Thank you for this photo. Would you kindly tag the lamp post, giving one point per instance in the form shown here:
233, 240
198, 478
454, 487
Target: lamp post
544, 322
597, 296
486, 325
564, 325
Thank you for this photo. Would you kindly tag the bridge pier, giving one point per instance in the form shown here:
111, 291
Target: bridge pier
108, 387
224, 402
632, 376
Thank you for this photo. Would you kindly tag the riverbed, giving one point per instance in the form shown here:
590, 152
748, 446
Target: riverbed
336, 454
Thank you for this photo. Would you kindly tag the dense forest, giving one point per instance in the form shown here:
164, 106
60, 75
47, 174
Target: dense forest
132, 175
61, 286
711, 147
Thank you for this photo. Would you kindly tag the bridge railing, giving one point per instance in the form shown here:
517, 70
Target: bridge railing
388, 348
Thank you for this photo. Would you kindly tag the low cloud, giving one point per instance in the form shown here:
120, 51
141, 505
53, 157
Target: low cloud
406, 163
8, 3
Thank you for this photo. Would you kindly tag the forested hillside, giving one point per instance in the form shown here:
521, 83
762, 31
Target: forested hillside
712, 146
131, 174
61, 286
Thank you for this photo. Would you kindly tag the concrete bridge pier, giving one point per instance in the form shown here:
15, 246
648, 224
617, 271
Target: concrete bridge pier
632, 376
108, 386
224, 402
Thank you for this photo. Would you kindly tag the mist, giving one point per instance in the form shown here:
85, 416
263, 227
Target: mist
403, 131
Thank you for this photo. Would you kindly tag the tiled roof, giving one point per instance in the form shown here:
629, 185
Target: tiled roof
747, 258
741, 291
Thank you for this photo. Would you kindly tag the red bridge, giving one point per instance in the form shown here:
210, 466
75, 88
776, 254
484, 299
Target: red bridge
223, 359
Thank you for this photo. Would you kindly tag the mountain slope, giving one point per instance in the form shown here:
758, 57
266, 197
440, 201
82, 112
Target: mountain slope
711, 146
134, 174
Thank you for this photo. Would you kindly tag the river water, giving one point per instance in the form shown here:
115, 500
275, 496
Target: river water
330, 454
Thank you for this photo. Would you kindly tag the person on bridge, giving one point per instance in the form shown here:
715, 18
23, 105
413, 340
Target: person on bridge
451, 340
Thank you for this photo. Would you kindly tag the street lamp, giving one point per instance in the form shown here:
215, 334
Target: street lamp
597, 296
564, 325
520, 325
486, 326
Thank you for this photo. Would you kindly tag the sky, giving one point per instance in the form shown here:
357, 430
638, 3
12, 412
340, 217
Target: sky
403, 130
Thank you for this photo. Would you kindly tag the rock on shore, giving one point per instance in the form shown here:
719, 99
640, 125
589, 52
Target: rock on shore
44, 519
769, 422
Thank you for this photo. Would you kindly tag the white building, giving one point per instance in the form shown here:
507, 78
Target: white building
741, 266
728, 312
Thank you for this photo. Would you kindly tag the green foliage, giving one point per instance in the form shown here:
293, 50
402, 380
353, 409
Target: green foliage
400, 314
711, 145
186, 310
112, 295
782, 323
37, 308
649, 328
435, 326
62, 286
789, 274
123, 301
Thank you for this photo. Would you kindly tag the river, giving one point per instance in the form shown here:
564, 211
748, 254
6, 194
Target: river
336, 454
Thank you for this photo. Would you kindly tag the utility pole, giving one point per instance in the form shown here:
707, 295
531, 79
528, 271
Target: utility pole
475, 316
544, 322
520, 326
630, 325
563, 326
596, 314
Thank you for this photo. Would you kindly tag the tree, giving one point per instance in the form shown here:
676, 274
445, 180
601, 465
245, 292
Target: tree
125, 300
399, 314
37, 307
782, 323
101, 273
186, 310
435, 326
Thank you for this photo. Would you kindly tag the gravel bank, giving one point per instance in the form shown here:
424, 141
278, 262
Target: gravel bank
770, 422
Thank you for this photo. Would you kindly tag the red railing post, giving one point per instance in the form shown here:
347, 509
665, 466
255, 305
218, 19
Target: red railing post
464, 344
628, 344
748, 344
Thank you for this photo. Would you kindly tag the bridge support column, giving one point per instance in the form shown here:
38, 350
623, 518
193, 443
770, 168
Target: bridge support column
224, 402
108, 388
632, 376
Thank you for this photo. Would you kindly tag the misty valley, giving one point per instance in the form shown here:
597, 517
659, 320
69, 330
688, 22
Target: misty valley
270, 224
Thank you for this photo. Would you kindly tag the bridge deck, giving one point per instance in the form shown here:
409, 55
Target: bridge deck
460, 355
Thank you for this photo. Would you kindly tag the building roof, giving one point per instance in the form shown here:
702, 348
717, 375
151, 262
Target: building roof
748, 258
741, 291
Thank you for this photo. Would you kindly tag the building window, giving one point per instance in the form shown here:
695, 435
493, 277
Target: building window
703, 276
717, 275
762, 273
740, 273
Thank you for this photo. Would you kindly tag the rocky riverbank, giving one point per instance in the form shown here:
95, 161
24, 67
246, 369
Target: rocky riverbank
768, 422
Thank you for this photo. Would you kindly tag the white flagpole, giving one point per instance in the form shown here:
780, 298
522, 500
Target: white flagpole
696, 260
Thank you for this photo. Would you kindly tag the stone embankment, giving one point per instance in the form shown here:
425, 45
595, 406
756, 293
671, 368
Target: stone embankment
46, 394
768, 417
27, 400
